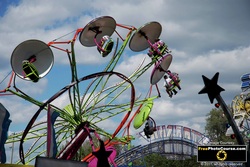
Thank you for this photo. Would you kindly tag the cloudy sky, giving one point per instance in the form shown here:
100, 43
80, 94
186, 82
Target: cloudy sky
205, 37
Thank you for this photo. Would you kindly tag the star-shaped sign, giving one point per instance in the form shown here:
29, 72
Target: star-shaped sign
211, 87
102, 156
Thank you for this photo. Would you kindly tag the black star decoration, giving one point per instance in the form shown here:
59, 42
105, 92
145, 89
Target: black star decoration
102, 156
211, 87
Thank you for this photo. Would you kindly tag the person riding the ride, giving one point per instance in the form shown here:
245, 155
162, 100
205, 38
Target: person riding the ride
149, 128
105, 45
171, 82
168, 84
161, 47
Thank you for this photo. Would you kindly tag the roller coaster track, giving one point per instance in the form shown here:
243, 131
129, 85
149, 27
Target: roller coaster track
173, 141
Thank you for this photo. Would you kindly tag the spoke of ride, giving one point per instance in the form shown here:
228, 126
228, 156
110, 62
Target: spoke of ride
108, 68
133, 77
65, 132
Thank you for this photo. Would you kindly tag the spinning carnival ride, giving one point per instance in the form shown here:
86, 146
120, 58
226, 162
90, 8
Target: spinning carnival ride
241, 109
91, 100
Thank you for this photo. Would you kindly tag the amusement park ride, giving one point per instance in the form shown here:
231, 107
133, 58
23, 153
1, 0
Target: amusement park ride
66, 128
241, 109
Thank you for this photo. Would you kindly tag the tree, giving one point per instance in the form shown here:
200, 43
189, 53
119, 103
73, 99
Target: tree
216, 126
84, 150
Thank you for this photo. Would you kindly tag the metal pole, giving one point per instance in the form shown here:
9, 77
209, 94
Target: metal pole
12, 151
230, 119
